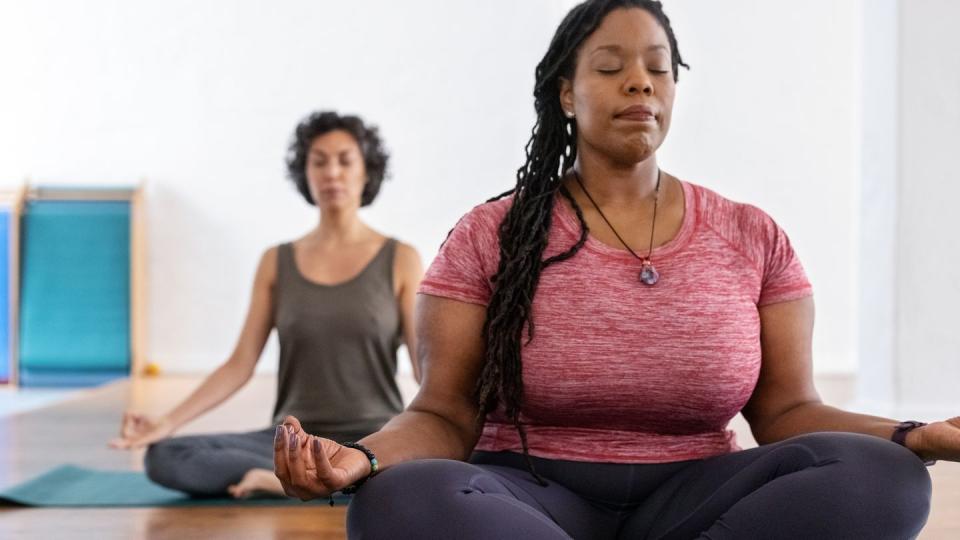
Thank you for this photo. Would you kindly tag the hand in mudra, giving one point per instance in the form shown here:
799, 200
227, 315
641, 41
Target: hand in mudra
138, 431
937, 440
309, 467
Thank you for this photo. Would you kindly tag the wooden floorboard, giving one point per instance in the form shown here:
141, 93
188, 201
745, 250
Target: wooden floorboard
322, 523
76, 432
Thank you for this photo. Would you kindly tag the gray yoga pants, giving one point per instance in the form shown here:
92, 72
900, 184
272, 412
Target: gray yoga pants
815, 486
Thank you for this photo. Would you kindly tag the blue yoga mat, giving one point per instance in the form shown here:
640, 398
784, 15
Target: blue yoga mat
72, 486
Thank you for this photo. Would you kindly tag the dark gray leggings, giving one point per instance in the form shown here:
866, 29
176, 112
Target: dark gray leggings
816, 486
205, 465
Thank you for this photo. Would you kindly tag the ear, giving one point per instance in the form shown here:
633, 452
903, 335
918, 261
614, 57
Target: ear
566, 95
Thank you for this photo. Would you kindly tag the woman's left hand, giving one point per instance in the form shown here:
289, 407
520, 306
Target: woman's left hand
310, 467
938, 440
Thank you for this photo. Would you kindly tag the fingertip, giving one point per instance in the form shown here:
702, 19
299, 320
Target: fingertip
293, 423
293, 444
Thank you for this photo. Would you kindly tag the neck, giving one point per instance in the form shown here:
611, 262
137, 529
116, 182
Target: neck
615, 184
340, 227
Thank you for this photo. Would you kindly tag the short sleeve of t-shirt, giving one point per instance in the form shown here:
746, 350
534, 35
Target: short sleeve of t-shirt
468, 258
783, 277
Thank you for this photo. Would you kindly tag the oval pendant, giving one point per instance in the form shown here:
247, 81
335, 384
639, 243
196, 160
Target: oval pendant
649, 274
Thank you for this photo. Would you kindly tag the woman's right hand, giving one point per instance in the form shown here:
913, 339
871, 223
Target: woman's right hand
309, 467
138, 430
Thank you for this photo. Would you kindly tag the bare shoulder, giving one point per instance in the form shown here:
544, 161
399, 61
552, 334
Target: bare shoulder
407, 262
267, 267
407, 254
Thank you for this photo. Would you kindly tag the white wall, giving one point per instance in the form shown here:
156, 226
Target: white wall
877, 331
928, 348
910, 279
199, 98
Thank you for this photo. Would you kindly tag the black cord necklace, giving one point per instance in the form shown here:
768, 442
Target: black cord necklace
648, 274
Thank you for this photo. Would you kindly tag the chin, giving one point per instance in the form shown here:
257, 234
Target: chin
629, 147
334, 206
632, 152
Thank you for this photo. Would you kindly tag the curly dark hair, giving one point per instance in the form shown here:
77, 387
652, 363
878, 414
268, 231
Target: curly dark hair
551, 150
375, 157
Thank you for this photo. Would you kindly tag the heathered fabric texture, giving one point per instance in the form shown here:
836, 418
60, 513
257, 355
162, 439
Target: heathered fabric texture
621, 372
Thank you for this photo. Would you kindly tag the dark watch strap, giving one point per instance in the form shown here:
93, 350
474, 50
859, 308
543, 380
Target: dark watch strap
900, 432
900, 435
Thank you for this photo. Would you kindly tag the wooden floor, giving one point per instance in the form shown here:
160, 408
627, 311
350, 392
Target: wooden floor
76, 432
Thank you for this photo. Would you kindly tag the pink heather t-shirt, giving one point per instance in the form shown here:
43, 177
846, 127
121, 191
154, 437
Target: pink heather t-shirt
620, 372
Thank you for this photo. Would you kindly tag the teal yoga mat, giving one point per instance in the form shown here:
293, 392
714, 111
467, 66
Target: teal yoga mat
72, 486
75, 293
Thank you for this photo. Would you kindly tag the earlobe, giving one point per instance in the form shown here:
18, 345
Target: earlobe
566, 98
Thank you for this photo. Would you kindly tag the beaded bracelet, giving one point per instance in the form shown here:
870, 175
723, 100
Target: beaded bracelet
374, 467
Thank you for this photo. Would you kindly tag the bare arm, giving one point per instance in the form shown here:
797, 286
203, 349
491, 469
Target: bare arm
441, 420
238, 368
409, 272
785, 402
138, 431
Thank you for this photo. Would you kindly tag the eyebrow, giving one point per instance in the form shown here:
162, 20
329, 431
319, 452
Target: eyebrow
321, 153
617, 48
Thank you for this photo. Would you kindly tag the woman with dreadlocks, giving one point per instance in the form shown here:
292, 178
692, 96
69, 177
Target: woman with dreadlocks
587, 336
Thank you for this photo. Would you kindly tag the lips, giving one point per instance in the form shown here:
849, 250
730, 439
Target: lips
640, 113
332, 192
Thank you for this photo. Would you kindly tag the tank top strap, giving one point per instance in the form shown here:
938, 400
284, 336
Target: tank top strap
282, 280
285, 262
389, 256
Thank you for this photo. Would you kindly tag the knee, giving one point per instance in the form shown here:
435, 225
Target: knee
399, 502
891, 478
160, 463
871, 457
902, 477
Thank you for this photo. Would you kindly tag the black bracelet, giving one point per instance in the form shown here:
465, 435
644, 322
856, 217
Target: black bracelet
374, 467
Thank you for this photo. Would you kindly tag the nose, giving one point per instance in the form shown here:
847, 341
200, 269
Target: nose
638, 82
331, 171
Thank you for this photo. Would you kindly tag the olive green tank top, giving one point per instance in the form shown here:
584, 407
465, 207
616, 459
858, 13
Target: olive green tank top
338, 348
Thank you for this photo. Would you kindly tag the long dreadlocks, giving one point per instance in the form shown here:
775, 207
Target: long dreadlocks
551, 150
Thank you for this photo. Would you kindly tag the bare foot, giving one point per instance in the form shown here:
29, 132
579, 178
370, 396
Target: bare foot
257, 483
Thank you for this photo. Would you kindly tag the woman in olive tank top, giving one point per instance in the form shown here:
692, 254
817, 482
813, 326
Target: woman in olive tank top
341, 299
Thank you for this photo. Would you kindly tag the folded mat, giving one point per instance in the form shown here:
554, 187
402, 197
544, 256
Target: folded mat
73, 486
